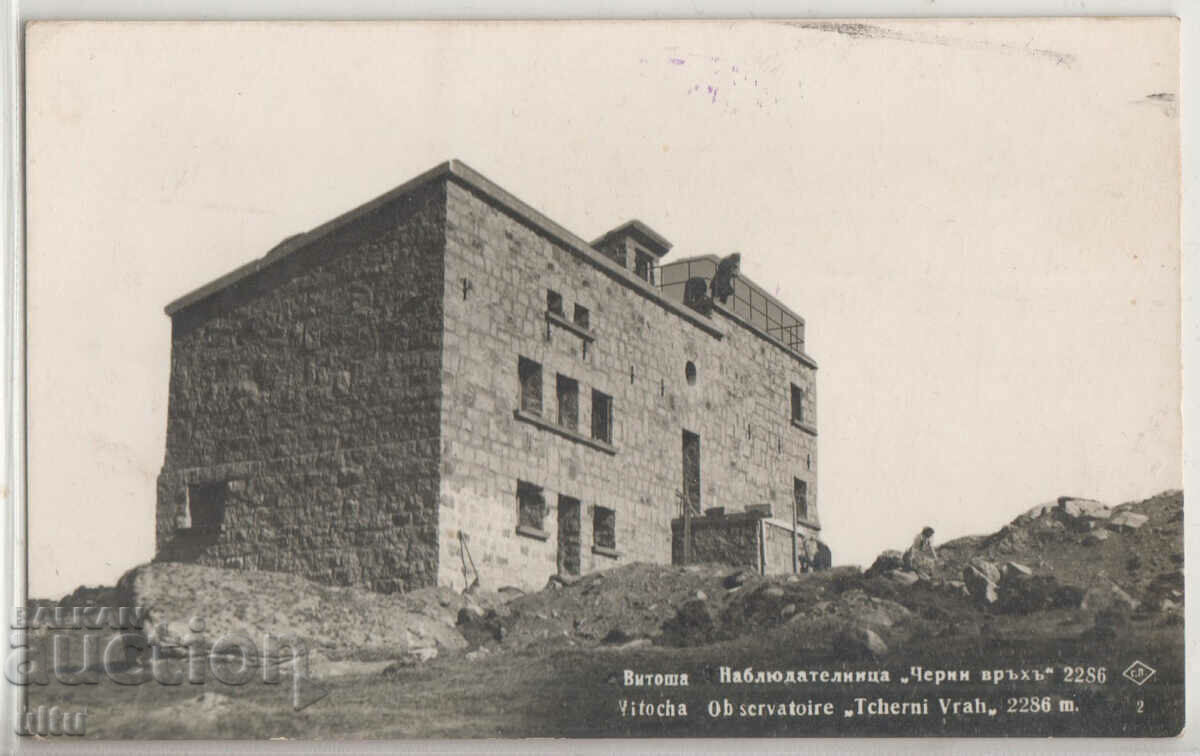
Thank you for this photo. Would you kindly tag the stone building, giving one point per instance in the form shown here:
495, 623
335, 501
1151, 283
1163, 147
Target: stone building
445, 384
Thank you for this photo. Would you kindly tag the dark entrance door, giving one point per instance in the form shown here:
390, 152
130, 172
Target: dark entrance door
201, 528
206, 506
568, 536
691, 470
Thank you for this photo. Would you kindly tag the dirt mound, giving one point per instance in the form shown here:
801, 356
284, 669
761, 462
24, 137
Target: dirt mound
185, 601
641, 604
635, 599
1077, 561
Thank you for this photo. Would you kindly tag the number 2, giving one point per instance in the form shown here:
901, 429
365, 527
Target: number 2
1141, 706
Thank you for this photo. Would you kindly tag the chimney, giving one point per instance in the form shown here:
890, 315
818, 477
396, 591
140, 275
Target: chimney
635, 247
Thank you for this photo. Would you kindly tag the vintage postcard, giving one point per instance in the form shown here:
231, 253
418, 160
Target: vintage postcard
643, 379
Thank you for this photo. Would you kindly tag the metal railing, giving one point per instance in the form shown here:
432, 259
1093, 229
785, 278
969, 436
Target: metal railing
748, 302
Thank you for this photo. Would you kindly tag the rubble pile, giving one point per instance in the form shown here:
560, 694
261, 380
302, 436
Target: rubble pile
1071, 554
1089, 567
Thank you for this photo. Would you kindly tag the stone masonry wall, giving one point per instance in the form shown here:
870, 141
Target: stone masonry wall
726, 540
310, 391
739, 405
739, 540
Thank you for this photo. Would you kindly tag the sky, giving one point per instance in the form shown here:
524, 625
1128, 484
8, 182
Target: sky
979, 222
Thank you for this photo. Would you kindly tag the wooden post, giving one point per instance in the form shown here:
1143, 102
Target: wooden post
762, 546
795, 542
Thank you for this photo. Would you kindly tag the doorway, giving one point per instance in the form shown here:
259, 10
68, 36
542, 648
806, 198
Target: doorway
691, 470
569, 536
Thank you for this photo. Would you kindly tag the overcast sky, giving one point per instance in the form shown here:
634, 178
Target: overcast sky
979, 222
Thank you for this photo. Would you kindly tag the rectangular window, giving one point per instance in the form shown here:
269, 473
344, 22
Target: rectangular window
582, 316
800, 497
554, 302
568, 402
531, 508
644, 267
604, 528
602, 420
530, 374
797, 404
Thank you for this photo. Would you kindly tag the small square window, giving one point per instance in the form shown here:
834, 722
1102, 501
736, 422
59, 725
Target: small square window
800, 498
797, 404
568, 402
531, 507
604, 528
530, 374
554, 302
582, 316
602, 417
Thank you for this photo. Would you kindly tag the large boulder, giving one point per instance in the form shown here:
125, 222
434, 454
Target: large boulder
1015, 571
1127, 521
872, 611
1016, 590
989, 569
981, 588
886, 562
187, 603
856, 643
1106, 595
1023, 592
1036, 513
1009, 539
1081, 514
904, 577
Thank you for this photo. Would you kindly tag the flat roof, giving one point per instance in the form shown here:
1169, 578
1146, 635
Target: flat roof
295, 243
474, 181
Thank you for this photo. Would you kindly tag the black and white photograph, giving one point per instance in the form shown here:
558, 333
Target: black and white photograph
581, 379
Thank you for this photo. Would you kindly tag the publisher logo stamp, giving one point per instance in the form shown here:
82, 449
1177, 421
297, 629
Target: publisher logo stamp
1138, 673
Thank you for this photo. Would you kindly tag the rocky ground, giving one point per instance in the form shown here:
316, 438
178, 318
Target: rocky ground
1070, 582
